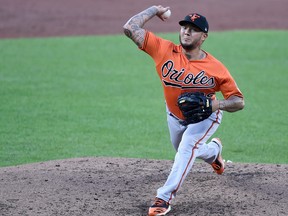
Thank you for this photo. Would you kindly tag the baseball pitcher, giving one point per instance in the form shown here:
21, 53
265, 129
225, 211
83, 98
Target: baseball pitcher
190, 77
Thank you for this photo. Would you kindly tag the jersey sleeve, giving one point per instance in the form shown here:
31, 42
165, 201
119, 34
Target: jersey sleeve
155, 46
228, 86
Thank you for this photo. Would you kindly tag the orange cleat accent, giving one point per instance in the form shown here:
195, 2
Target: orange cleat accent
159, 207
218, 165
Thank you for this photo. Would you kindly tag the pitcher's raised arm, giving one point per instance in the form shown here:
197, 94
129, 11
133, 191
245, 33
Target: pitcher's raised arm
134, 26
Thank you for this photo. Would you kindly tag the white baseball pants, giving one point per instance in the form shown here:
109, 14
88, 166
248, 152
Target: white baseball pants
190, 143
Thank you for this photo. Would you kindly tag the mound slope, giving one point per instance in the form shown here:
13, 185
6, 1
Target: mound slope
119, 186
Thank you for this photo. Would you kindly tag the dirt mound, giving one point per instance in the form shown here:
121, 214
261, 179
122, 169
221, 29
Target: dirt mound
119, 186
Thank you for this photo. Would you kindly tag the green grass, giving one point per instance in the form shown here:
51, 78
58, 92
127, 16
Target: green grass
100, 96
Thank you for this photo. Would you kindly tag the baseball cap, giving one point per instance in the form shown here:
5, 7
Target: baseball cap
196, 19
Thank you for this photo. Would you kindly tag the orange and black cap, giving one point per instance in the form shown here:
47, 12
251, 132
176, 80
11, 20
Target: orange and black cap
197, 20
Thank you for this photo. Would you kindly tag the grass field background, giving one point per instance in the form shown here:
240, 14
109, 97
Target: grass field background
100, 96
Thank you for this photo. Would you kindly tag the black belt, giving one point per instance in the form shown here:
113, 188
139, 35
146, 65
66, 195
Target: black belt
182, 122
171, 114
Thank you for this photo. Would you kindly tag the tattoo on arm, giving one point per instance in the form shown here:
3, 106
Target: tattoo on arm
232, 104
134, 27
128, 33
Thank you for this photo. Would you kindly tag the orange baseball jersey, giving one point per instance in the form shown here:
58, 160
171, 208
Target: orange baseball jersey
179, 75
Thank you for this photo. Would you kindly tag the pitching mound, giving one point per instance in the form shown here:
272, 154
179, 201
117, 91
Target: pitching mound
119, 186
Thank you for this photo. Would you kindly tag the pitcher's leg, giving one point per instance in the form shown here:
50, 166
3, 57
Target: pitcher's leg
189, 149
209, 152
176, 130
183, 162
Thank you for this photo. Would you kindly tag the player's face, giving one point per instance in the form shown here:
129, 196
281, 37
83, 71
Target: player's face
191, 37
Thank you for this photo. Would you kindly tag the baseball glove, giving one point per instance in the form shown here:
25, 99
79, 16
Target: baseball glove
195, 107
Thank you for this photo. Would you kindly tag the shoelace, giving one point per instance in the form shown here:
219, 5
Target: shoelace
216, 165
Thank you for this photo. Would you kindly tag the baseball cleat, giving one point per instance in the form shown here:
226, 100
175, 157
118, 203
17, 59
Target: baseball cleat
159, 207
218, 164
